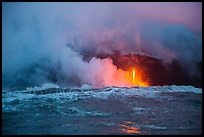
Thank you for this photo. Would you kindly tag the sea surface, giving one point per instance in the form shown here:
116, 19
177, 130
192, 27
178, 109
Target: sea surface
154, 110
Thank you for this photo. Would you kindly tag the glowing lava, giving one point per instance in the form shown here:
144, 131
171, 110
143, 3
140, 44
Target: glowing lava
133, 76
136, 77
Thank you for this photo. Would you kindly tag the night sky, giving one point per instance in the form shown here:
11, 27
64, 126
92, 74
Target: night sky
72, 44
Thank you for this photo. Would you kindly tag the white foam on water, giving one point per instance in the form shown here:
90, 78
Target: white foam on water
104, 93
85, 87
43, 87
81, 112
155, 127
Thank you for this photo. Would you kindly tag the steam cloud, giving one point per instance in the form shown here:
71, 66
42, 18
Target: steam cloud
45, 42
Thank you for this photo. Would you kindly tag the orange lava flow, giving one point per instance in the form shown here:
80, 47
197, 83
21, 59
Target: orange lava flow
136, 77
133, 76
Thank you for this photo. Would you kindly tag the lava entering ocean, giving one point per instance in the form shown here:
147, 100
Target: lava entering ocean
135, 77
143, 70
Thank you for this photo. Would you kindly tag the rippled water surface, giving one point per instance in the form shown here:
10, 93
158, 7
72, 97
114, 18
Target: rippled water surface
150, 110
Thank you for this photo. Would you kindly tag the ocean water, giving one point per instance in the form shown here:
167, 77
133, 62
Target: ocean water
168, 110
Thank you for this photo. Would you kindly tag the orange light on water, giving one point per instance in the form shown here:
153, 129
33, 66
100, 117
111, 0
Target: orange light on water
127, 127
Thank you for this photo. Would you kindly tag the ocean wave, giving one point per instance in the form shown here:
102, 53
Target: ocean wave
74, 94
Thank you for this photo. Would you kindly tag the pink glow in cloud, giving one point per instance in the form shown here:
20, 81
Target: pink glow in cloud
50, 39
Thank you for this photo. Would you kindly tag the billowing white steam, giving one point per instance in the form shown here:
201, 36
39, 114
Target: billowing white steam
43, 40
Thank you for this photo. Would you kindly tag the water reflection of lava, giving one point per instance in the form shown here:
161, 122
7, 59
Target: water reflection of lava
126, 128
